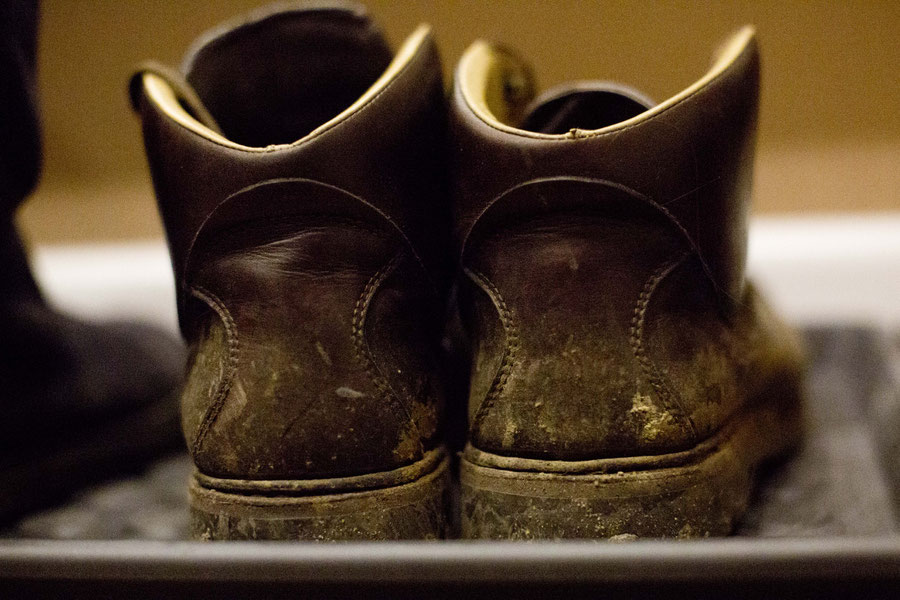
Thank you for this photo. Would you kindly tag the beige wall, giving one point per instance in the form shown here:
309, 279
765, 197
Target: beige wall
829, 132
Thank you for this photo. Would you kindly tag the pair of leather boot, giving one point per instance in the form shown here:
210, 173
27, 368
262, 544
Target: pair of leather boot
80, 401
323, 205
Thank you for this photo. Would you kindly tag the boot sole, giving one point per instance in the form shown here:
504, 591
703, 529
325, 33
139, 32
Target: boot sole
699, 492
411, 502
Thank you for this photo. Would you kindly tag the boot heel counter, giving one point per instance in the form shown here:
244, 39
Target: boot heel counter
576, 313
287, 377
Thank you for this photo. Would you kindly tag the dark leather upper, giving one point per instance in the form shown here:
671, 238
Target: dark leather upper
310, 274
604, 270
695, 159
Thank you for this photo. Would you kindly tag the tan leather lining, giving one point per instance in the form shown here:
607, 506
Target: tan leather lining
161, 93
483, 70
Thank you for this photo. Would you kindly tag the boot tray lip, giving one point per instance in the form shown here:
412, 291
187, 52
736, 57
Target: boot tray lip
429, 463
784, 564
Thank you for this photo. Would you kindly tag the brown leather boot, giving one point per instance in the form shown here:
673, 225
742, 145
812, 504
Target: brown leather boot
80, 401
626, 379
297, 165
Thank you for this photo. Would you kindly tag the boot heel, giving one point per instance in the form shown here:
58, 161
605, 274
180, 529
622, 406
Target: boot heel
502, 504
697, 493
417, 509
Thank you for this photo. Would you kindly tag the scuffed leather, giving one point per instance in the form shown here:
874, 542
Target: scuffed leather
603, 280
310, 278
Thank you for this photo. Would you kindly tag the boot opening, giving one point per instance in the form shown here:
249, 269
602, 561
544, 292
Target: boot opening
587, 106
274, 80
499, 88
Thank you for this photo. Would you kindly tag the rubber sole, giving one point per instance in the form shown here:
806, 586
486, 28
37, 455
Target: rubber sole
408, 503
700, 492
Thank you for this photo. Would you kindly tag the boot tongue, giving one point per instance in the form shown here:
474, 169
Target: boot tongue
583, 106
274, 79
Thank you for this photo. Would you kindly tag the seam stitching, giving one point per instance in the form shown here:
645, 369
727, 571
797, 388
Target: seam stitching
668, 396
511, 347
186, 262
475, 218
361, 346
212, 413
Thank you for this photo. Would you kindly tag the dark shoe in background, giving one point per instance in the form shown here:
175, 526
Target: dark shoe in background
626, 379
81, 401
298, 169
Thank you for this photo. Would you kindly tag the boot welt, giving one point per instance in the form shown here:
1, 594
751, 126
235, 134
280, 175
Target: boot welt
700, 492
411, 502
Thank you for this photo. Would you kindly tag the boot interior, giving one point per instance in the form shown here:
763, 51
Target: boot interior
499, 87
582, 106
274, 81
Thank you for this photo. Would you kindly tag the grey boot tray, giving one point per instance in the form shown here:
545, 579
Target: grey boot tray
824, 524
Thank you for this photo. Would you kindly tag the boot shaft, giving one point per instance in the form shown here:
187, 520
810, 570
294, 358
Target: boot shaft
603, 253
304, 204
691, 157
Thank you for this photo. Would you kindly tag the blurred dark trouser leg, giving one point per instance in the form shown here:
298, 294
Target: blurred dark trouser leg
78, 401
20, 146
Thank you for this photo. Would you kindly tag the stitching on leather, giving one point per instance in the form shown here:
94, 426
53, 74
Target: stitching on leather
657, 381
511, 346
188, 253
618, 186
361, 345
224, 388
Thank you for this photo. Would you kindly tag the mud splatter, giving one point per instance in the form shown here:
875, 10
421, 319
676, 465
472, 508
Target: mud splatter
350, 393
321, 350
652, 421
